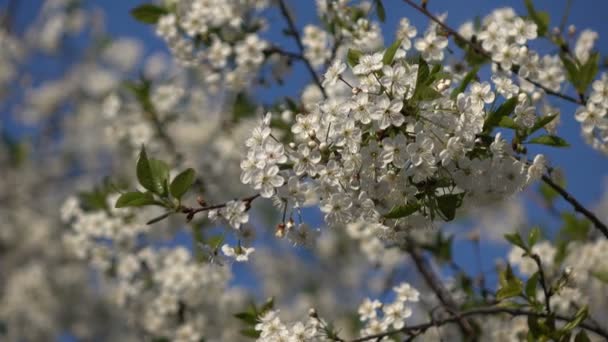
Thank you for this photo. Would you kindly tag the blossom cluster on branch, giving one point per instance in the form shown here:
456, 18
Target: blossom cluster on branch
337, 213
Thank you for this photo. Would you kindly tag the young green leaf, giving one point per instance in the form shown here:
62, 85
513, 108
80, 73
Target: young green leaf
389, 54
152, 174
182, 182
250, 332
353, 57
589, 71
601, 276
402, 211
468, 78
512, 289
531, 286
580, 316
148, 13
582, 337
507, 122
380, 10
505, 109
515, 239
160, 174
135, 199
144, 173
448, 204
541, 122
549, 140
247, 317
541, 19
533, 236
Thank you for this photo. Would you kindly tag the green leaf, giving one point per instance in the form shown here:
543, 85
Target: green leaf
600, 275
182, 182
144, 173
389, 54
549, 140
540, 18
152, 174
135, 199
513, 289
515, 239
510, 286
269, 305
380, 11
533, 236
250, 332
582, 337
160, 173
541, 123
421, 79
531, 285
448, 204
507, 122
580, 316
247, 317
148, 13
574, 228
589, 71
581, 75
468, 78
505, 109
353, 57
403, 211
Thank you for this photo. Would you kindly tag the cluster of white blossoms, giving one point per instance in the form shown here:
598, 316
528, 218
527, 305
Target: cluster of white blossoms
166, 292
393, 315
89, 228
581, 266
273, 329
505, 36
348, 23
217, 37
399, 152
594, 115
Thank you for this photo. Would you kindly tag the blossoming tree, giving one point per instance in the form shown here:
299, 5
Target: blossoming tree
331, 214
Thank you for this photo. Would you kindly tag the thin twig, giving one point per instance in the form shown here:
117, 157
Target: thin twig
543, 282
420, 328
577, 205
193, 211
433, 281
294, 32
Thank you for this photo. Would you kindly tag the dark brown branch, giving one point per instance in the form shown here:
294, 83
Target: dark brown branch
543, 282
433, 281
415, 330
577, 205
294, 32
190, 212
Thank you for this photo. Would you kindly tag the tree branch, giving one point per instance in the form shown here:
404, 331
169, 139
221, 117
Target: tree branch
577, 205
294, 32
193, 211
415, 330
433, 281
